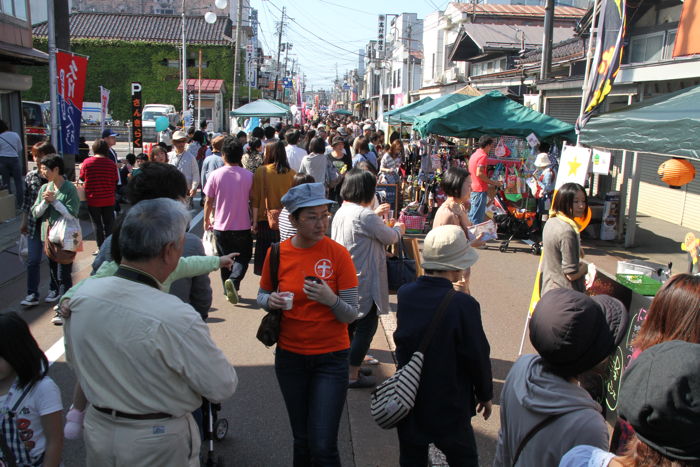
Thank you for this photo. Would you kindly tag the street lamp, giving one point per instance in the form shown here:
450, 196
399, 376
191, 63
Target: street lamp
210, 18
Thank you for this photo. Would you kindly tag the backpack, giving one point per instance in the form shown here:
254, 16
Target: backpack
202, 152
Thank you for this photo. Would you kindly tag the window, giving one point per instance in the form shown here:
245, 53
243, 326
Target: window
16, 8
489, 67
670, 42
504, 64
647, 48
398, 78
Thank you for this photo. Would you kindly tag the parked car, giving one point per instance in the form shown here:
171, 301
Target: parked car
153, 111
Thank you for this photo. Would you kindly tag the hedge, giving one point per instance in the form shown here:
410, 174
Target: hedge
114, 64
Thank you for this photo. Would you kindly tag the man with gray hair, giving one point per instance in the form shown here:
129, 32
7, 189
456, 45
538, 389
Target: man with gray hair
143, 357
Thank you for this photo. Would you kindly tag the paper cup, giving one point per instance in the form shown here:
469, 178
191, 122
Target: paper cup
288, 299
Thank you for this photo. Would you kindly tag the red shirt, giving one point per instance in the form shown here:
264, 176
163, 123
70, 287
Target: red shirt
100, 177
310, 328
478, 159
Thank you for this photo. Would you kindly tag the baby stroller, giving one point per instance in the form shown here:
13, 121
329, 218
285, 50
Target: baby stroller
214, 429
515, 223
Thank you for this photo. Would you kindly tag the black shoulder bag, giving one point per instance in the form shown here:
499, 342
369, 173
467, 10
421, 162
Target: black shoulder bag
269, 329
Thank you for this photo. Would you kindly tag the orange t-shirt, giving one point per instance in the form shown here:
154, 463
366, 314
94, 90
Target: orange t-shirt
310, 328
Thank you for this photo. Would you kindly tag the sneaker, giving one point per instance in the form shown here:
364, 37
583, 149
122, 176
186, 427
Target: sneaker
231, 292
52, 296
366, 371
30, 300
57, 319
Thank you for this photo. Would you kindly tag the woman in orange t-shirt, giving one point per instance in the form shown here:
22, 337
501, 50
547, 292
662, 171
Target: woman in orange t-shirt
311, 360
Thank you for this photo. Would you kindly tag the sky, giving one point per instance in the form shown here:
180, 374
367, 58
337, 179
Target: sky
329, 32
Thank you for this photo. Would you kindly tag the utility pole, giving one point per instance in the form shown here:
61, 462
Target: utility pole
279, 50
236, 48
53, 94
410, 75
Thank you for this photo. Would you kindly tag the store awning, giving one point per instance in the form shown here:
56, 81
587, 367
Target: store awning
491, 114
260, 108
666, 125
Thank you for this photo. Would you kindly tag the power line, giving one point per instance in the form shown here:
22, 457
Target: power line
344, 7
315, 35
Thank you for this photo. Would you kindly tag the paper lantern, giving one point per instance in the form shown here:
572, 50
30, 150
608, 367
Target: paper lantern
676, 172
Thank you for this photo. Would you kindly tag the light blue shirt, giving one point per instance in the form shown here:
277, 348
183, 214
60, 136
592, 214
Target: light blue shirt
586, 456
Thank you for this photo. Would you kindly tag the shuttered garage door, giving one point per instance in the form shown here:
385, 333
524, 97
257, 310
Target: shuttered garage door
565, 109
681, 207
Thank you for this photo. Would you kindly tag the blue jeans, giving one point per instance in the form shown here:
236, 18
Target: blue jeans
61, 277
361, 334
10, 169
314, 389
36, 249
477, 211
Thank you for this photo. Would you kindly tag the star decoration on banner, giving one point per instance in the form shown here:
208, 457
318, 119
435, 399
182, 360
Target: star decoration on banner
574, 166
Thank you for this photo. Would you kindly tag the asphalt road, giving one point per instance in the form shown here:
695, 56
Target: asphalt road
258, 427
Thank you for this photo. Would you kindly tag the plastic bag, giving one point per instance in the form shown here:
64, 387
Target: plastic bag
501, 149
23, 247
67, 233
209, 241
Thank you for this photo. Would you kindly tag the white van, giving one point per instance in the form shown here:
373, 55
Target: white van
152, 111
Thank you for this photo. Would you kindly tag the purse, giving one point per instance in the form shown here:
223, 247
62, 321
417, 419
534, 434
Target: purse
273, 215
399, 269
392, 400
269, 329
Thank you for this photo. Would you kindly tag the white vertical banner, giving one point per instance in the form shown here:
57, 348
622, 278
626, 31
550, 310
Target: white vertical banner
104, 104
573, 166
381, 36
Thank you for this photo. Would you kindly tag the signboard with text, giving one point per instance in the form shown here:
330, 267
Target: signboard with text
136, 123
381, 36
70, 72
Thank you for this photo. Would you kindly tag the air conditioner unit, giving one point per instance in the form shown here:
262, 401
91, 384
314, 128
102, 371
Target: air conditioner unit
451, 75
440, 78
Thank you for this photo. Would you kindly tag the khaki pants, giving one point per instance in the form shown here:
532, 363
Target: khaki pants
119, 442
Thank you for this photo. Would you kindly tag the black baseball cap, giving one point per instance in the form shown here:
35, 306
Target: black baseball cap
573, 332
660, 398
106, 133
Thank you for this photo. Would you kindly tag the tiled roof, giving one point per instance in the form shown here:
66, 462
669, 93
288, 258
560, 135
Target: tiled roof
570, 49
208, 85
488, 9
137, 27
505, 36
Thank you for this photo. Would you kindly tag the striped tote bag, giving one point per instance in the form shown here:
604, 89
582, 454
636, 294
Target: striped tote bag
392, 400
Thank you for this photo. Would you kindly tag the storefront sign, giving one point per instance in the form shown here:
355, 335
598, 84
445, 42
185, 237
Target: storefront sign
381, 38
136, 123
70, 71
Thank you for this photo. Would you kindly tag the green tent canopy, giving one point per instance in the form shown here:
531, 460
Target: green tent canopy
491, 114
342, 112
668, 125
393, 116
409, 116
260, 108
281, 105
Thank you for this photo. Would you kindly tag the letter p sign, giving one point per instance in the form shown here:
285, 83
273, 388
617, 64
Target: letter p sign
135, 88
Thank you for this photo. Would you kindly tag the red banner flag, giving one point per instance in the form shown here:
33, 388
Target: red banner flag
71, 71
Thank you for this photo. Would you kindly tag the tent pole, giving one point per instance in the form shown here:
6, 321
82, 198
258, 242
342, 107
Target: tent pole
634, 197
623, 195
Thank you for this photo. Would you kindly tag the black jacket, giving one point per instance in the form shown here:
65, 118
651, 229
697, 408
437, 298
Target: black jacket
457, 369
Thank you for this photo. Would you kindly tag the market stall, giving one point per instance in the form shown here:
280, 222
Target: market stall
517, 131
262, 108
667, 125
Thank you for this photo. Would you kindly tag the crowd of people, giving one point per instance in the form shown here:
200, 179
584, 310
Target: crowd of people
302, 204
